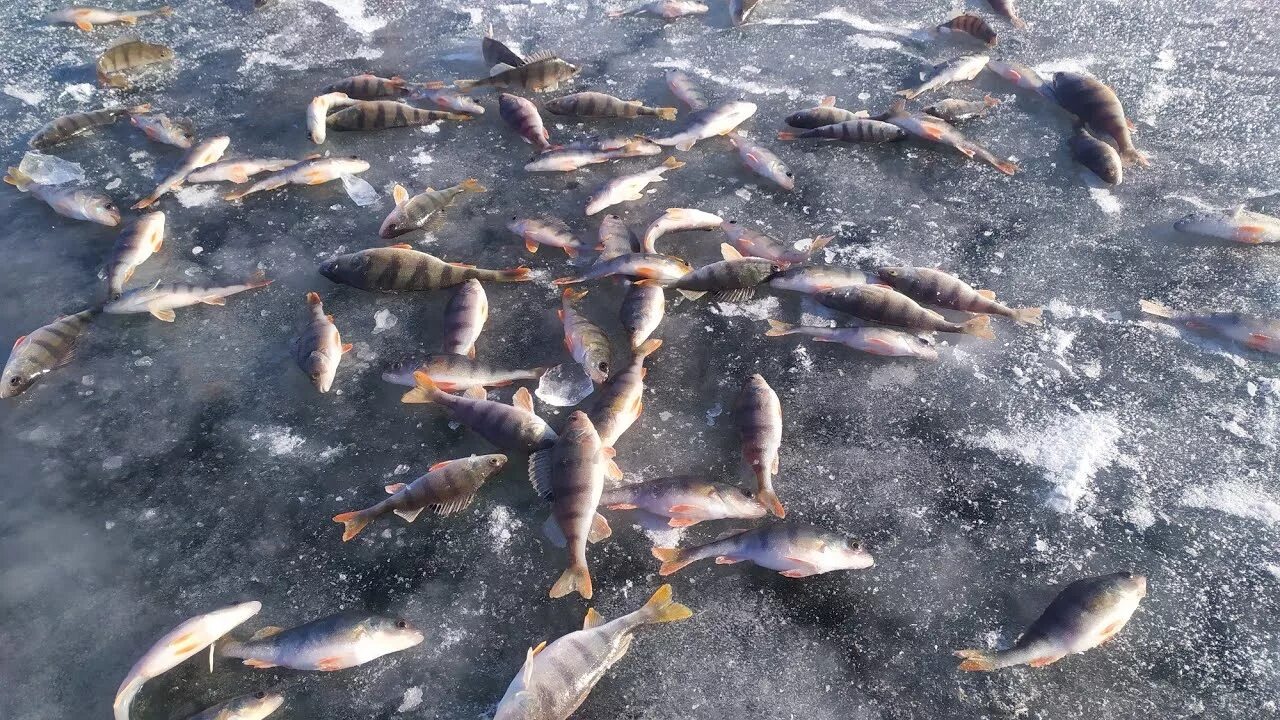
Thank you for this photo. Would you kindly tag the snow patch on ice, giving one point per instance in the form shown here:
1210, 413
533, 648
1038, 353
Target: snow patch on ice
746, 86
758, 309
352, 12
262, 57
79, 92
502, 526
384, 320
412, 699
26, 95
1234, 497
196, 195
1106, 200
861, 23
278, 441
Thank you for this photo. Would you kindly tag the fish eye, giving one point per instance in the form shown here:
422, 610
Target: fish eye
261, 694
495, 462
733, 222
603, 367
746, 493
14, 381
402, 624
110, 207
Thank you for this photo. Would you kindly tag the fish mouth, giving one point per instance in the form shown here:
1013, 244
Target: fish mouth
329, 268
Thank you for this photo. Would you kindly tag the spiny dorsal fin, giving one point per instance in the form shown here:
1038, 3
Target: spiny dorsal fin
593, 619
540, 56
523, 400
540, 473
729, 252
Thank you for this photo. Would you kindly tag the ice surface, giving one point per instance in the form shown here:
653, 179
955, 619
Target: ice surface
50, 169
360, 191
564, 385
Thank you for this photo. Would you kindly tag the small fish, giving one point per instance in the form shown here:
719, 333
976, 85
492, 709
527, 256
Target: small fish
811, 279
464, 319
436, 94
160, 299
973, 26
46, 349
600, 105
678, 220
1097, 105
1022, 76
857, 130
628, 187
522, 116
586, 342
314, 171
551, 232
254, 706
569, 159
956, 110
386, 114
180, 643
792, 549
685, 90
642, 310
411, 213
240, 170
719, 120
936, 130
1237, 224
665, 269
572, 484
622, 397
1255, 333
129, 53
763, 162
823, 114
942, 289
884, 305
86, 18
685, 500
757, 244
135, 244
319, 349
965, 67
513, 428
447, 488
400, 268
1098, 156
497, 53
452, 372
336, 642
758, 415
75, 203
665, 9
873, 340
65, 127
205, 153
369, 87
616, 239
733, 279
1005, 9
540, 73
162, 129
739, 10
557, 678
1084, 615
318, 114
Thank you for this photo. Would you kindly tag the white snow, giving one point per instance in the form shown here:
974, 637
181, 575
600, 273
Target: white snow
1235, 497
196, 195
26, 95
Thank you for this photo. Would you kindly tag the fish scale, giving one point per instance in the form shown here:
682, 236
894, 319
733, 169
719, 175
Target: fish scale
386, 114
522, 116
574, 483
464, 319
45, 349
65, 127
758, 416
1097, 105
601, 105
621, 398
513, 428
368, 87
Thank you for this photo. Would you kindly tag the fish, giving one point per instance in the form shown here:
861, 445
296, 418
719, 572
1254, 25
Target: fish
452, 372
436, 94
570, 159
495, 52
464, 319
540, 73
188, 638
628, 187
936, 130
319, 349
411, 213
884, 305
973, 26
739, 10
313, 171
685, 500
678, 220
160, 299
616, 239
513, 428
823, 114
557, 678
369, 87
86, 18
758, 416
400, 268
1005, 9
622, 397
1255, 333
665, 269
318, 113
756, 244
685, 90
793, 549
129, 53
719, 120
44, 350
254, 706
572, 484
665, 9
140, 241
205, 153
811, 279
448, 487
162, 129
1097, 105
1098, 156
642, 310
386, 114
955, 110
586, 342
240, 170
873, 340
551, 232
600, 105
1085, 614
942, 289
857, 130
763, 162
965, 67
1237, 224
65, 127
522, 116
75, 203
733, 279
1023, 77
337, 642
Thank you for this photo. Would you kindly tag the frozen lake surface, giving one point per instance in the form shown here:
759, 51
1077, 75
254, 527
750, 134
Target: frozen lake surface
175, 468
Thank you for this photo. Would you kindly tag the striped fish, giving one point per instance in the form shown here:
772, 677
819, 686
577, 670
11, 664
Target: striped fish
75, 203
46, 349
954, 109
616, 239
163, 129
568, 159
1256, 333
733, 279
756, 244
447, 488
824, 113
685, 500
557, 678
810, 279
522, 116
160, 299
139, 242
1097, 105
586, 342
937, 130
642, 310
552, 232
452, 372
942, 289
1098, 156
540, 73
411, 213
206, 153
239, 170
884, 305
857, 130
622, 397
464, 319
794, 550
873, 340
973, 26
513, 428
318, 114
315, 171
719, 120
686, 91
572, 484
254, 706
369, 87
86, 18
600, 105
336, 642
758, 415
763, 162
436, 94
629, 187
65, 127
319, 349
666, 269
400, 268
385, 114
126, 54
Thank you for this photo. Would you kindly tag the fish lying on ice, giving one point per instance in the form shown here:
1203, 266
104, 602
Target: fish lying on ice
1237, 224
685, 500
873, 340
44, 350
793, 549
75, 203
319, 349
160, 299
336, 642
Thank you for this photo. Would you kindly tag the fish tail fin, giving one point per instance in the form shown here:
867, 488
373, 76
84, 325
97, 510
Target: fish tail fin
465, 85
769, 499
1027, 315
164, 11
1135, 157
142, 109
473, 185
976, 660
1151, 307
575, 578
18, 179
667, 113
566, 281
777, 328
672, 560
1006, 167
786, 135
425, 390
258, 280
352, 523
516, 274
647, 348
662, 609
979, 327
672, 163
820, 242
573, 294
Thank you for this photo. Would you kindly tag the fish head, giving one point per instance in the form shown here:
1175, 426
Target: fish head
20, 373
598, 367
741, 502
1191, 221
401, 372
346, 269
894, 276
1127, 584
579, 428
164, 52
491, 463
390, 634
321, 369
518, 225
849, 554
569, 69
253, 706
395, 225
101, 209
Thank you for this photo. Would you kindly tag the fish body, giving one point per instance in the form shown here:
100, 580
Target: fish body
587, 343
384, 115
369, 87
315, 171
642, 310
163, 129
763, 162
678, 220
600, 105
1023, 77
436, 94
823, 114
319, 348
522, 116
936, 130
464, 319
411, 213
685, 500
811, 279
665, 269
857, 130
514, 428
318, 113
65, 127
86, 18
1098, 156
550, 232
333, 643
956, 110
135, 244
1238, 225
973, 26
239, 170
628, 187
962, 68
793, 549
569, 159
129, 54
719, 120
454, 372
730, 280
665, 9
884, 305
1006, 9
205, 153
400, 268
873, 340
1097, 105
44, 350
685, 90
539, 75
1255, 333
161, 299
1084, 615
254, 706
447, 488
75, 203
573, 484
753, 243
622, 397
942, 289
616, 239
739, 10
758, 416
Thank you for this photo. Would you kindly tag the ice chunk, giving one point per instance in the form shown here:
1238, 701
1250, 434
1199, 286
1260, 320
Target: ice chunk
50, 169
26, 95
80, 92
384, 320
412, 699
564, 385
361, 192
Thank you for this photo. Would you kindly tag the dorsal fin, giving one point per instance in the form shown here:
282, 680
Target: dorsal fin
539, 56
593, 619
399, 194
523, 400
402, 246
729, 252
266, 632
439, 465
828, 101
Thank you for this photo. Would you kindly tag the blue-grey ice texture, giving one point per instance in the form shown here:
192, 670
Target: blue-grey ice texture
175, 468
